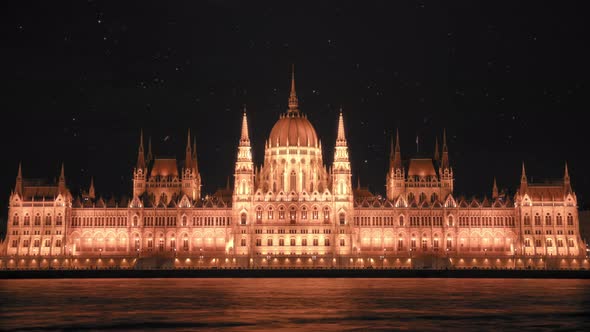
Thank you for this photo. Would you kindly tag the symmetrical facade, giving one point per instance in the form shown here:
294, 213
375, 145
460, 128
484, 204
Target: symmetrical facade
295, 210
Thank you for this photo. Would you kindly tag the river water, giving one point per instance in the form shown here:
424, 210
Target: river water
295, 304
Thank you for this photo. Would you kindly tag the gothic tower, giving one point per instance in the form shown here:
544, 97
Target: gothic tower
396, 175
140, 171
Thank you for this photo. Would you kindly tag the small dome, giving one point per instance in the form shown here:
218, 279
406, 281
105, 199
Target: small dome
292, 128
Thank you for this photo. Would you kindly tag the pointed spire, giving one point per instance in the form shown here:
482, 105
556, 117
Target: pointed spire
195, 165
436, 152
341, 138
396, 162
245, 137
62, 174
445, 152
150, 156
566, 180
293, 102
523, 181
91, 192
392, 146
19, 180
140, 154
62, 179
495, 190
189, 154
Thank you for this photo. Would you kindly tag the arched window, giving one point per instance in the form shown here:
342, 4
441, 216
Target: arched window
422, 197
163, 198
527, 220
269, 242
270, 213
292, 214
548, 220
537, 220
451, 221
342, 219
243, 218
27, 220
434, 197
327, 242
259, 214
342, 242
401, 220
37, 220
326, 214
293, 181
410, 197
135, 221
184, 221
570, 219
559, 220
15, 220
243, 242
281, 242
48, 220
293, 243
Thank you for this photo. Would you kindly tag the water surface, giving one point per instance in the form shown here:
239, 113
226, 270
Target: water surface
295, 304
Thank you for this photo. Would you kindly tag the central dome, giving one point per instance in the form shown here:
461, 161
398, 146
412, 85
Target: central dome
293, 129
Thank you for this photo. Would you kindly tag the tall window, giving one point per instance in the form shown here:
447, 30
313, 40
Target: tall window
548, 220
414, 244
538, 243
269, 242
570, 243
559, 220
185, 244
150, 244
27, 220
304, 242
326, 215
293, 243
281, 242
258, 242
259, 214
293, 181
451, 221
560, 243
549, 243
401, 220
570, 219
537, 220
424, 244
527, 242
243, 242
292, 215
172, 244
48, 220
136, 244
315, 242
58, 243
342, 242
15, 220
342, 219
326, 242
270, 214
37, 220
527, 220
449, 244
47, 243
36, 244
400, 244
184, 221
243, 218
161, 245
135, 221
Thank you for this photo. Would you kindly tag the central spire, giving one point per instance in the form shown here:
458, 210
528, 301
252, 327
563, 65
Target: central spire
293, 102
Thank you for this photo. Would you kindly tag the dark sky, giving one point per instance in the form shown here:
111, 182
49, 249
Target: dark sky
507, 79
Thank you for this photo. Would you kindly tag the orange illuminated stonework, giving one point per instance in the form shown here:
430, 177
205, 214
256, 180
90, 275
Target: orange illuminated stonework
294, 211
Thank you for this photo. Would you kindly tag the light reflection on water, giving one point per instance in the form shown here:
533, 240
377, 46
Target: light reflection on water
295, 304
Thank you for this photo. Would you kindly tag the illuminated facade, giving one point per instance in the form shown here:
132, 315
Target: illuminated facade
294, 210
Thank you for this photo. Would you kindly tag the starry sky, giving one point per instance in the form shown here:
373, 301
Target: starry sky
507, 79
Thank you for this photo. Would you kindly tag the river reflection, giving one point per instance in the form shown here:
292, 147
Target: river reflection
295, 304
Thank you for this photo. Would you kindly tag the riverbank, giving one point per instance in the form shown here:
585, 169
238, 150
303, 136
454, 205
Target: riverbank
293, 273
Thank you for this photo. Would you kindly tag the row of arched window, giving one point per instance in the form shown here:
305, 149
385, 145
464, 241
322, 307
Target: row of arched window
293, 242
82, 221
37, 220
549, 220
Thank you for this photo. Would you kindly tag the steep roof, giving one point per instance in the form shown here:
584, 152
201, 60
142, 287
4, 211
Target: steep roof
421, 167
165, 167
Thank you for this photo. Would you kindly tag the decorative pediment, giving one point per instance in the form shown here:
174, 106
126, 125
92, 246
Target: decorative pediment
184, 202
135, 203
450, 202
401, 202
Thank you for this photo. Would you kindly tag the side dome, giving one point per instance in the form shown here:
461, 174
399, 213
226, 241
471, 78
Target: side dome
293, 129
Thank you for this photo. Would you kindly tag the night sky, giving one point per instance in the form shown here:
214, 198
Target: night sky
508, 81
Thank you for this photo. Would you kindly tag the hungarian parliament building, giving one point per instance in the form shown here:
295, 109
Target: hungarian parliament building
293, 211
